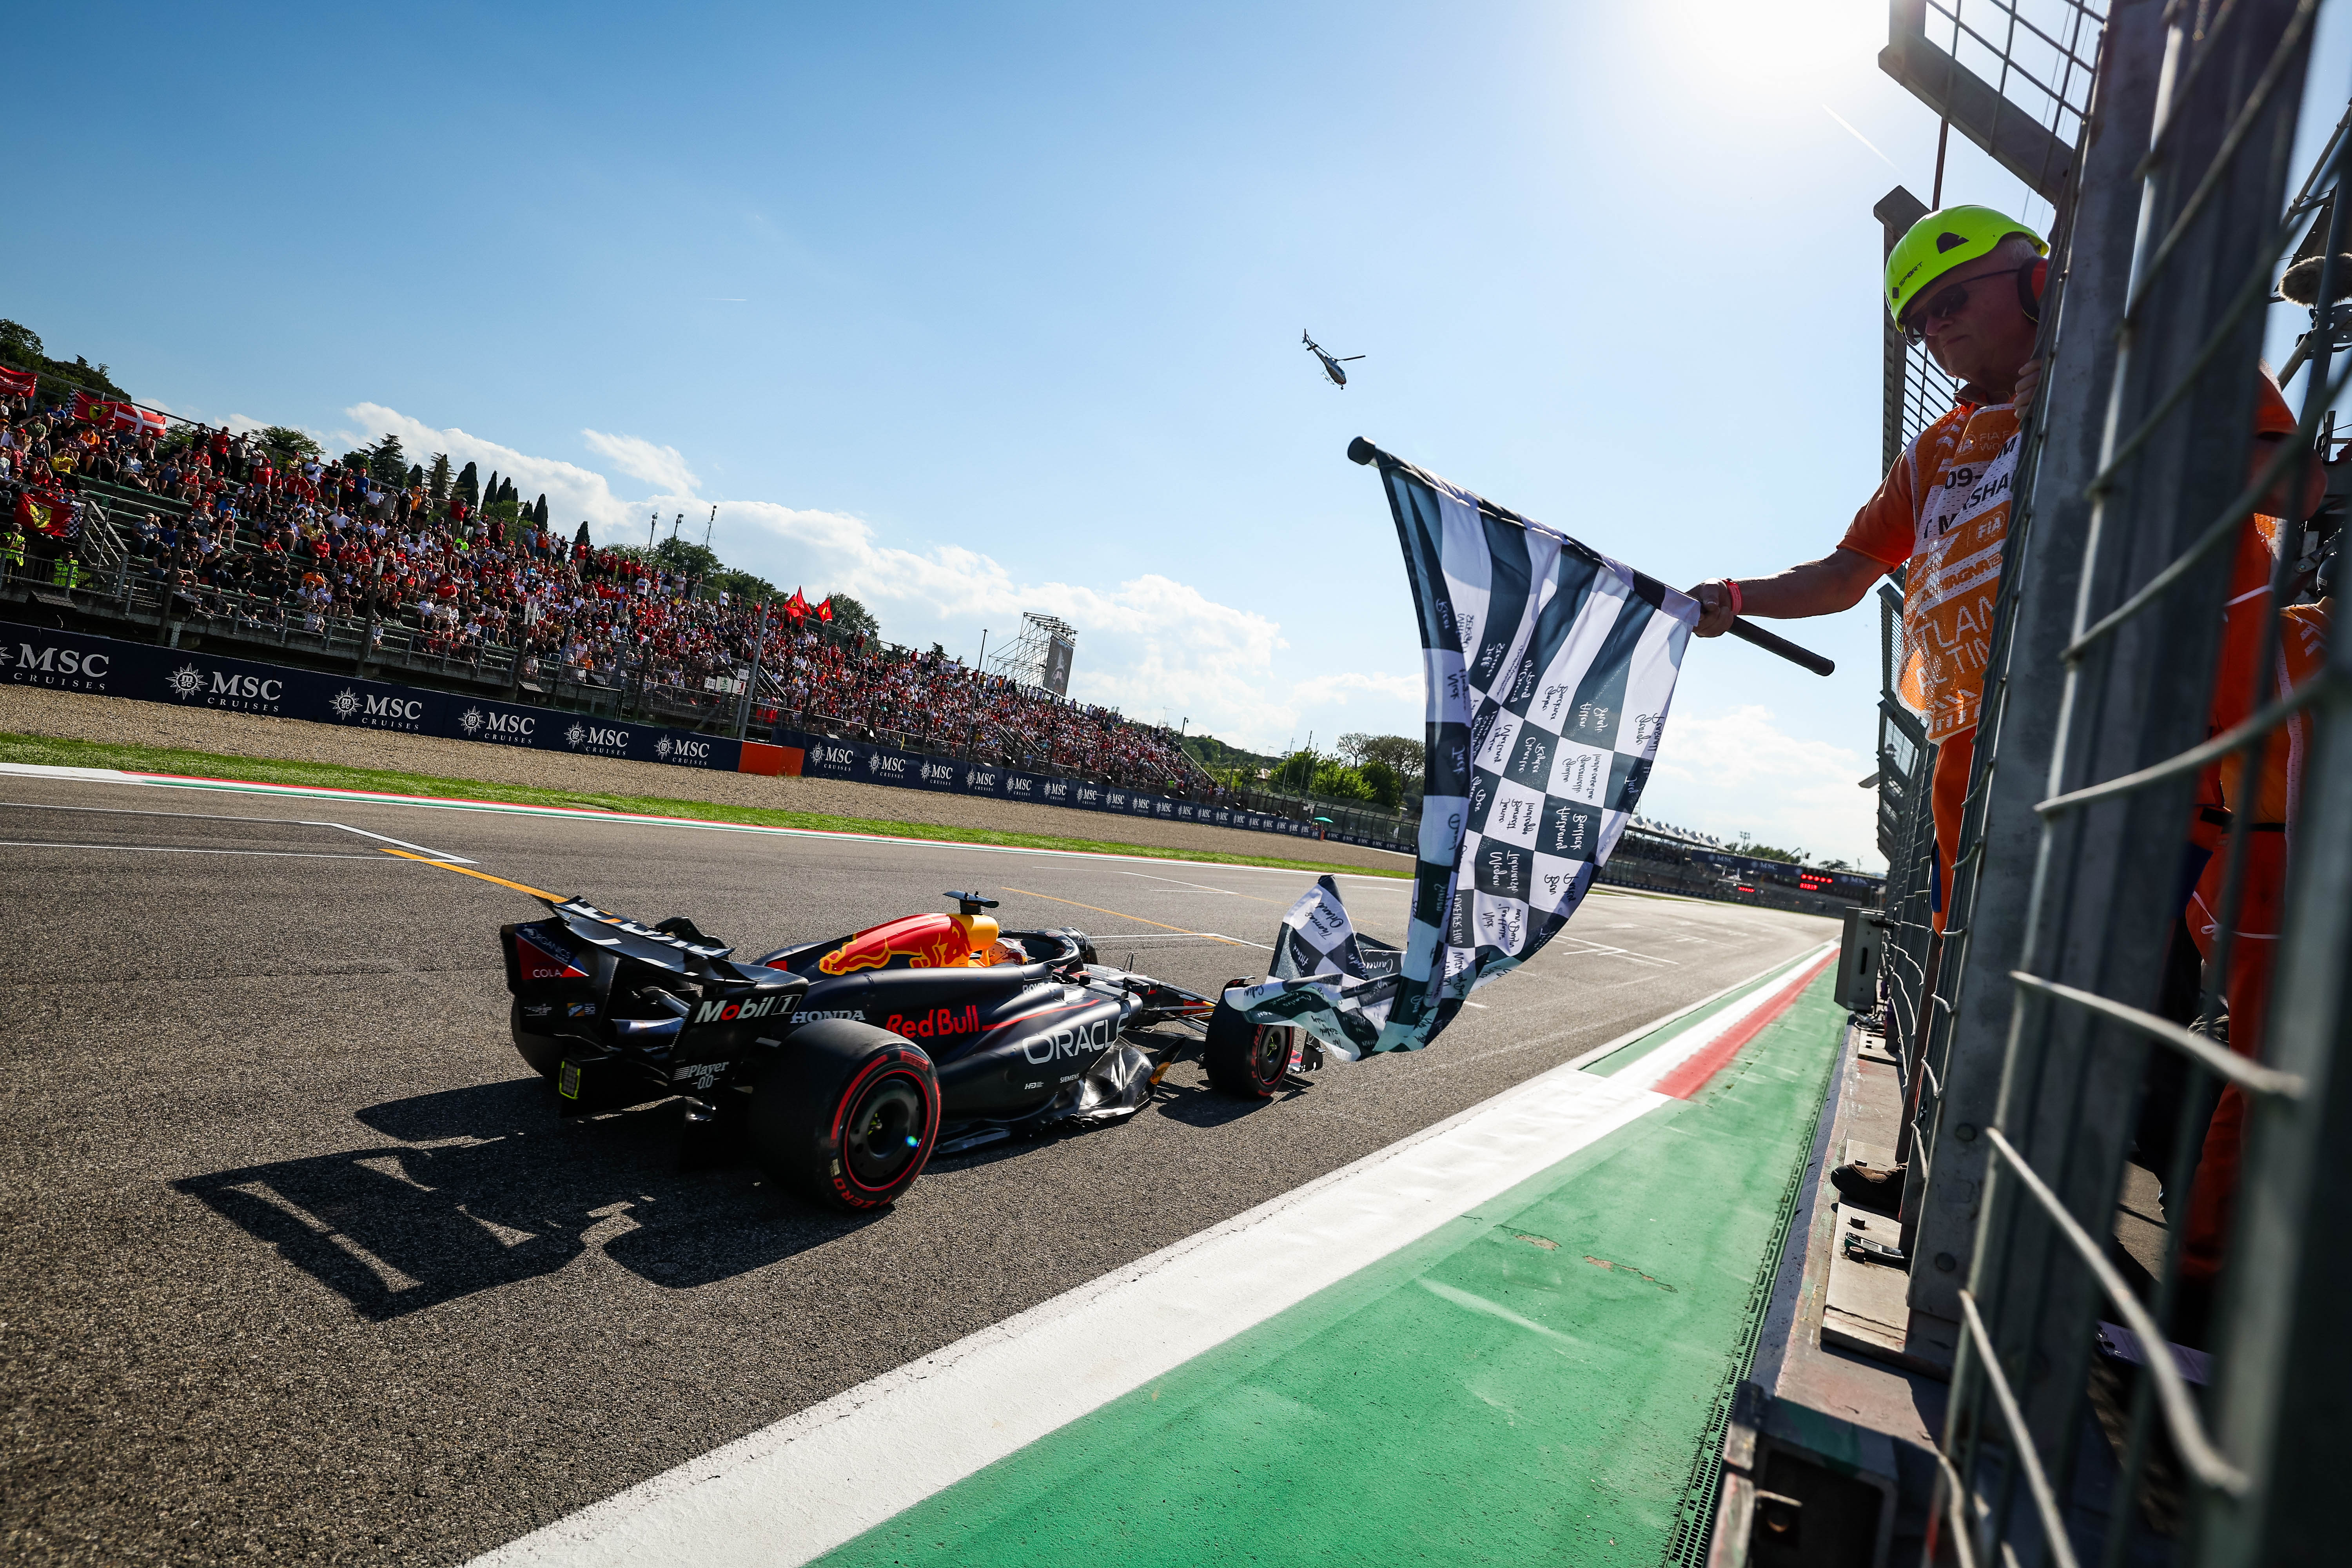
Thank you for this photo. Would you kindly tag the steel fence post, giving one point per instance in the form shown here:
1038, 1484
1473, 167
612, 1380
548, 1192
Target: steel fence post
2041, 571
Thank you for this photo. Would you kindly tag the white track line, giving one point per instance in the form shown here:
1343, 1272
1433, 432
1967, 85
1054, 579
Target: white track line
573, 814
796, 1489
216, 816
186, 850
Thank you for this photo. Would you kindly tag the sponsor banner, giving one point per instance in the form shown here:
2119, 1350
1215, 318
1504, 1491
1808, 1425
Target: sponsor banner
939, 773
71, 661
186, 678
867, 763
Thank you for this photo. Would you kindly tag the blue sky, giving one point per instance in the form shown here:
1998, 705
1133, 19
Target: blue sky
971, 310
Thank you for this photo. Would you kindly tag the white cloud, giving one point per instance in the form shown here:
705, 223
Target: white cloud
641, 459
573, 494
1729, 771
1405, 689
1149, 645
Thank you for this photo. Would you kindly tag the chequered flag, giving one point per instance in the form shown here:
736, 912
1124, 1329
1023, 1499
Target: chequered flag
1549, 670
1324, 977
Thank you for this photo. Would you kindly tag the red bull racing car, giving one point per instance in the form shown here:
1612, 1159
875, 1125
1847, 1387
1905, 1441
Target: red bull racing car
848, 1063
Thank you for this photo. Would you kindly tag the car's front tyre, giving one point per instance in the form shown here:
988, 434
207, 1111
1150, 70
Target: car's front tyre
1246, 1059
846, 1114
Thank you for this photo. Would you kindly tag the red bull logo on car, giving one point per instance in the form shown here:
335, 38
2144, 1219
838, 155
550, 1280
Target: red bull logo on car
926, 942
937, 1023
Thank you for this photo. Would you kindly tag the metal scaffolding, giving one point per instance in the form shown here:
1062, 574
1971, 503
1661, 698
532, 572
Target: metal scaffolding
1040, 654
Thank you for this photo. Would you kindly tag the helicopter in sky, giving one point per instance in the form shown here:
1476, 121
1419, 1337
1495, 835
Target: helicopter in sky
1331, 365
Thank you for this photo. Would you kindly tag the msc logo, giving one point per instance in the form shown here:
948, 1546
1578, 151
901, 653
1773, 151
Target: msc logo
1056, 788
682, 750
978, 779
938, 773
188, 683
407, 709
595, 736
1015, 786
29, 661
834, 756
1075, 1039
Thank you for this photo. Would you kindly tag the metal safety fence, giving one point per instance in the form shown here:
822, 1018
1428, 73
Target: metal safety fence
2174, 1402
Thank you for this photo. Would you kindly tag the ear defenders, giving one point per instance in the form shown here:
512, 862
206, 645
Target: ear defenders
2030, 282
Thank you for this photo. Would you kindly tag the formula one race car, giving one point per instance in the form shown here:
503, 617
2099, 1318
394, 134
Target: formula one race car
847, 1063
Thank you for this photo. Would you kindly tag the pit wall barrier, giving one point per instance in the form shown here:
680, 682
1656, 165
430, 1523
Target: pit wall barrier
107, 666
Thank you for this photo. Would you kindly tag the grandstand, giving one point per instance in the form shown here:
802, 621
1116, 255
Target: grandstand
123, 521
137, 522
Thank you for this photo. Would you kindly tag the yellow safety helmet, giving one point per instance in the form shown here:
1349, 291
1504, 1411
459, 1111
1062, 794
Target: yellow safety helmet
1943, 239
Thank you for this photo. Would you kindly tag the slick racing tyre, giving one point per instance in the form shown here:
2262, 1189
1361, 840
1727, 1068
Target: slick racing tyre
846, 1114
1245, 1059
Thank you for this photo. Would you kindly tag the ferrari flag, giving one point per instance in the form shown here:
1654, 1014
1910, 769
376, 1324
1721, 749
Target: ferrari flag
44, 511
17, 382
1548, 669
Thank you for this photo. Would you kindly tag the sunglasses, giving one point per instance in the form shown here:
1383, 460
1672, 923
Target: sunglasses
1945, 302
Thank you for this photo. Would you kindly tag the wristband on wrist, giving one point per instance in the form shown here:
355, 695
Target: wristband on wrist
1731, 588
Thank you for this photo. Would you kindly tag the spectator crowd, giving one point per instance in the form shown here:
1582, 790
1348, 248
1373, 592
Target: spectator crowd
279, 541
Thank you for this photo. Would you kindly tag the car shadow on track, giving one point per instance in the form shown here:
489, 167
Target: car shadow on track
488, 1187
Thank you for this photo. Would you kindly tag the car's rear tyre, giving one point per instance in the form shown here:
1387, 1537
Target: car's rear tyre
846, 1114
544, 1053
1245, 1059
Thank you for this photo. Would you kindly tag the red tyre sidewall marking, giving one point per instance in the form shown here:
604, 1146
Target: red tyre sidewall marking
898, 1059
1265, 1086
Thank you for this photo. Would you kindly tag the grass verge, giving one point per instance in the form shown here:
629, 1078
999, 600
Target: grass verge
45, 751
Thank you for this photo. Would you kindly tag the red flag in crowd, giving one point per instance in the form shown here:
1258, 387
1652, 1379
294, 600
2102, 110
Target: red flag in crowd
43, 512
796, 606
85, 406
825, 611
17, 382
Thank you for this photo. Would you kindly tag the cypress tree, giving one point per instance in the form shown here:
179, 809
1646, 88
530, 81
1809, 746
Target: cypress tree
468, 488
416, 475
386, 463
490, 490
539, 512
437, 482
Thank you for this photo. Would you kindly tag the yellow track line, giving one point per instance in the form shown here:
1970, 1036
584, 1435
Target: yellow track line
1097, 908
485, 875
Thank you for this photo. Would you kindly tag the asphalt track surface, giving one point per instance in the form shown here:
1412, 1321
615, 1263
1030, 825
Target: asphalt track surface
303, 1268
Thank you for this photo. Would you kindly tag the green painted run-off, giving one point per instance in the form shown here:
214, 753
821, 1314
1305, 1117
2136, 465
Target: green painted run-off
1533, 1383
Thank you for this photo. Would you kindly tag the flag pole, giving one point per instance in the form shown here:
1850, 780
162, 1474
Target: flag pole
1362, 451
